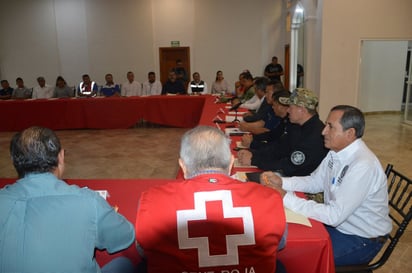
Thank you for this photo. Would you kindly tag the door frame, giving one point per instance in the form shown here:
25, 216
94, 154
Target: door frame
168, 53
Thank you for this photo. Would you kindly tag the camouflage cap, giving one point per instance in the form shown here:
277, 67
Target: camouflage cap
304, 97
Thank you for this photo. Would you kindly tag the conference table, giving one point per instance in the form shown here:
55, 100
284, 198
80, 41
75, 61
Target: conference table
308, 249
101, 112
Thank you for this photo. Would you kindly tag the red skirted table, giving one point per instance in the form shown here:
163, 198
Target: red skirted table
101, 112
308, 249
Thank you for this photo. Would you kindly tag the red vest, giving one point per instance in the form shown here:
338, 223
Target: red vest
210, 223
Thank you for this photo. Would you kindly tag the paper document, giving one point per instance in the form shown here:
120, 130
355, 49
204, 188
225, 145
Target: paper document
232, 118
239, 145
296, 218
234, 132
103, 193
239, 113
241, 176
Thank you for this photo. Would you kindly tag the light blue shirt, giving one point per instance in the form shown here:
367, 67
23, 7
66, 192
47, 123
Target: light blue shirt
49, 226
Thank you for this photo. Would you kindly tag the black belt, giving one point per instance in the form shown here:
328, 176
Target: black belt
380, 239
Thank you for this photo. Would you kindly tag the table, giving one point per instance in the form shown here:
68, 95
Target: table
308, 249
101, 112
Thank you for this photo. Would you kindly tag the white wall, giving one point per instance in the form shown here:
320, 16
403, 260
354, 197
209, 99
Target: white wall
74, 37
235, 35
28, 45
345, 24
382, 75
70, 21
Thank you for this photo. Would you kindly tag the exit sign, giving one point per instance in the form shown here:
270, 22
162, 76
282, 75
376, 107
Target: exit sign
175, 43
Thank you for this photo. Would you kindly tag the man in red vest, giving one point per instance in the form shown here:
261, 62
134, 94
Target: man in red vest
210, 222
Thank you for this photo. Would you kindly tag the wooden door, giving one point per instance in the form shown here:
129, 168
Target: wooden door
168, 57
286, 67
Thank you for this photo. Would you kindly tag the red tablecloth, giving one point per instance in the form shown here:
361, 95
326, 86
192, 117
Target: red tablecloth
101, 113
308, 249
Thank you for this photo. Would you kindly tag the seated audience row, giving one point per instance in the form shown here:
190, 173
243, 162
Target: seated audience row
87, 88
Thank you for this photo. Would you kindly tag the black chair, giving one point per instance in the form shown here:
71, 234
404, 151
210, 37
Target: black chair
400, 194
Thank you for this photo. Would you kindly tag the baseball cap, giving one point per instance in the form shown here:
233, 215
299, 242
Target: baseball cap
304, 97
282, 97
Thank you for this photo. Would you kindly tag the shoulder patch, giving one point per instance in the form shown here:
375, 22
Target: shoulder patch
297, 158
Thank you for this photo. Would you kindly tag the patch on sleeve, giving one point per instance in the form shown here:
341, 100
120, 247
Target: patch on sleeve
297, 158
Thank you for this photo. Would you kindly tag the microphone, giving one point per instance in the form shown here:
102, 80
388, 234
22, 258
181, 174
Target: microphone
235, 107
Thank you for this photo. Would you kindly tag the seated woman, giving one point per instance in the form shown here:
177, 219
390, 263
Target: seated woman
220, 86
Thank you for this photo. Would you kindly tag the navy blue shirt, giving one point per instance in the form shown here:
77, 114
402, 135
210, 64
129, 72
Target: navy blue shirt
176, 87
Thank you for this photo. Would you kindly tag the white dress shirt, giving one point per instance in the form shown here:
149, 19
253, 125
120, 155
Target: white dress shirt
355, 192
253, 104
131, 89
43, 92
150, 89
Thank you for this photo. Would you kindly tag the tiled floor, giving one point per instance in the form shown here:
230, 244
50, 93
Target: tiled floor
153, 152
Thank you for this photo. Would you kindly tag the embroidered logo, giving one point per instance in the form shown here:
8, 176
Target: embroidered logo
195, 228
297, 158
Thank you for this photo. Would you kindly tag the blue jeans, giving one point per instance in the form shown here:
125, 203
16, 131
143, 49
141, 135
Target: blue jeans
119, 265
352, 249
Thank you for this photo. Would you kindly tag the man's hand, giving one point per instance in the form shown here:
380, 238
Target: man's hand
247, 140
272, 180
244, 157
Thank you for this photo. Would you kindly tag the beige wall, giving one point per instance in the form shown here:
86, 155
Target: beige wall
73, 37
345, 24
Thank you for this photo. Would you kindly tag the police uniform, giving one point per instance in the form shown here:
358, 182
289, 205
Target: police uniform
210, 222
298, 152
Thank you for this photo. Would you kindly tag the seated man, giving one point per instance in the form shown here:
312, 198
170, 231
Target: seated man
253, 105
152, 86
43, 90
197, 86
280, 107
264, 120
110, 89
131, 87
21, 92
6, 91
209, 222
355, 209
246, 82
49, 226
87, 88
301, 149
173, 86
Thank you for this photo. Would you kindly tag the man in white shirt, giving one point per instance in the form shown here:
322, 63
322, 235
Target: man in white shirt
152, 86
43, 91
355, 209
131, 87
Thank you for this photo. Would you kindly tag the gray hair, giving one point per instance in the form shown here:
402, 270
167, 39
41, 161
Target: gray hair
204, 148
352, 118
35, 150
